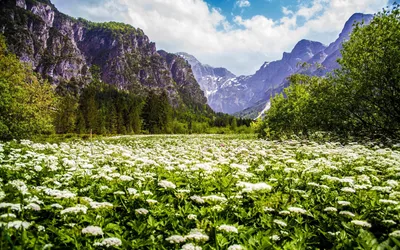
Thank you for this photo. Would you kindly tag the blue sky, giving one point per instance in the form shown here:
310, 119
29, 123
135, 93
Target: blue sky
237, 34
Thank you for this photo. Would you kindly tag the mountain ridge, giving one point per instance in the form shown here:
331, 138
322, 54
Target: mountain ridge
61, 48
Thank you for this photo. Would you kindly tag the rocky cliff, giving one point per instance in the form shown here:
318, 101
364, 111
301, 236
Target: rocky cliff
60, 47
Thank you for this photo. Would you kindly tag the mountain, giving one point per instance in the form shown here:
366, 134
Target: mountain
61, 48
248, 96
210, 80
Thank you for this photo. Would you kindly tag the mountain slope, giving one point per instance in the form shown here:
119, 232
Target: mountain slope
60, 48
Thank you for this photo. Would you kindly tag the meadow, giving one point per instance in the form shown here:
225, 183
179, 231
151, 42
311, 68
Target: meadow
198, 192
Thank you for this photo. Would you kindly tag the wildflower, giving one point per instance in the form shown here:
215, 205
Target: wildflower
59, 194
125, 178
347, 213
56, 205
75, 210
228, 229
47, 246
297, 210
175, 239
275, 237
197, 199
8, 216
334, 234
41, 228
119, 192
268, 209
37, 168
361, 223
250, 187
142, 211
392, 222
391, 202
395, 234
214, 198
18, 224
109, 242
330, 209
147, 192
280, 223
150, 201
235, 247
382, 189
192, 217
344, 203
132, 191
32, 206
12, 206
190, 246
96, 205
196, 235
166, 184
348, 190
284, 212
92, 230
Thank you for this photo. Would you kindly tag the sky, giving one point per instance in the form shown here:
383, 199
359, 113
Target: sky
239, 35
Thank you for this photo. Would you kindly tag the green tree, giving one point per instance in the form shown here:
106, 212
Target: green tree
26, 103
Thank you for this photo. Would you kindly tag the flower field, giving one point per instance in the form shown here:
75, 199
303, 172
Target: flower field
198, 192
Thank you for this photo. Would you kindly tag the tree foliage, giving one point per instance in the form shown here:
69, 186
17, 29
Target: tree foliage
26, 102
360, 99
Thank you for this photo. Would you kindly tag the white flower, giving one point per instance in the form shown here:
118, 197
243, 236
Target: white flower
361, 223
330, 209
147, 192
8, 216
109, 242
96, 205
197, 199
56, 205
92, 230
32, 206
250, 187
275, 237
395, 234
59, 194
228, 229
119, 192
280, 223
175, 239
235, 247
347, 213
284, 212
344, 203
38, 168
47, 246
75, 210
214, 198
392, 222
192, 217
132, 191
18, 224
348, 190
142, 211
190, 246
41, 228
125, 178
297, 210
196, 235
150, 201
268, 209
391, 202
166, 184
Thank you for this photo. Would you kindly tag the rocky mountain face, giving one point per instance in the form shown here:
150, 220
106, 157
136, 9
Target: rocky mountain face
247, 96
60, 48
210, 80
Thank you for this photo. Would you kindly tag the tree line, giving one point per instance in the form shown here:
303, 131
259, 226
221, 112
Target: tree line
359, 100
31, 106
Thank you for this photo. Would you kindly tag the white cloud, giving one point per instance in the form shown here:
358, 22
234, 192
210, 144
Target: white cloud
243, 3
195, 27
